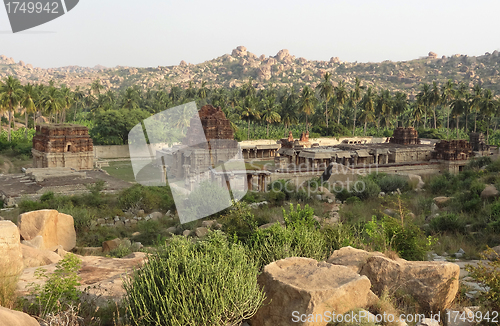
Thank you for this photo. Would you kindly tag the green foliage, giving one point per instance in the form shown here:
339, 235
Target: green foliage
60, 288
210, 282
333, 130
390, 182
300, 237
369, 189
445, 184
494, 166
48, 196
488, 274
112, 127
342, 235
447, 222
479, 162
407, 240
146, 198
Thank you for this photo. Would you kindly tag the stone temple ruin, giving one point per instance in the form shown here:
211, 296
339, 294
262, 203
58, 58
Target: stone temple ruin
62, 146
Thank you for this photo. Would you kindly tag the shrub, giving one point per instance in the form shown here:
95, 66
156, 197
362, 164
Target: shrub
48, 196
342, 235
391, 182
210, 282
390, 234
494, 166
300, 237
447, 222
445, 183
488, 274
59, 290
146, 198
371, 189
479, 162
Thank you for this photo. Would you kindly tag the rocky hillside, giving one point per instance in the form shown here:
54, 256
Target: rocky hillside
282, 69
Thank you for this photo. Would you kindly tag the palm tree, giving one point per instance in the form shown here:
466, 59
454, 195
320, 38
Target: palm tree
433, 100
96, 87
325, 89
400, 104
78, 96
341, 95
130, 99
447, 93
368, 106
269, 113
28, 99
354, 100
423, 101
458, 107
190, 91
383, 107
307, 102
249, 111
11, 92
52, 101
289, 109
488, 106
203, 91
68, 100
418, 110
476, 102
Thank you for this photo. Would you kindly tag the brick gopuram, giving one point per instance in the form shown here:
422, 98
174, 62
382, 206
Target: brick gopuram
62, 145
405, 136
452, 150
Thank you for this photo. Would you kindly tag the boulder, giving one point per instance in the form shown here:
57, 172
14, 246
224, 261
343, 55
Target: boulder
33, 257
186, 233
201, 232
36, 242
310, 287
433, 284
109, 245
156, 215
440, 201
489, 192
54, 227
434, 209
16, 318
11, 258
428, 322
351, 257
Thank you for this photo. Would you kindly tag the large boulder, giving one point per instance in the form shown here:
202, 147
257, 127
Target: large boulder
33, 257
54, 227
16, 318
309, 287
440, 201
11, 259
489, 192
351, 257
433, 284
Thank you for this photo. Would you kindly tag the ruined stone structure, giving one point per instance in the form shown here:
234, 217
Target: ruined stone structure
477, 142
405, 136
62, 145
202, 150
452, 150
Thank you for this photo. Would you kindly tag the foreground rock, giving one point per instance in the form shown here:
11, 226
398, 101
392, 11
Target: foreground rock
16, 318
433, 284
55, 228
489, 192
101, 275
33, 257
309, 287
11, 259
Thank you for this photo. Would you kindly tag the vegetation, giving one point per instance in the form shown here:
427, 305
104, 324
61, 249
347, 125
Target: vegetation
210, 282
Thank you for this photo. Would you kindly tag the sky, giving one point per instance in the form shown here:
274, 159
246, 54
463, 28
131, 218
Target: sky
151, 33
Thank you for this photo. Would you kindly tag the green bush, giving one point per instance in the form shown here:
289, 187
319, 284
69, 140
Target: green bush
391, 182
445, 183
447, 222
488, 274
342, 235
371, 189
210, 282
146, 198
479, 162
48, 196
407, 240
300, 237
494, 166
60, 288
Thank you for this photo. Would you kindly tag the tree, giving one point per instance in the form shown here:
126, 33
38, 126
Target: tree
488, 107
476, 102
423, 101
341, 95
325, 89
96, 87
249, 111
433, 100
11, 92
383, 107
28, 99
368, 106
447, 94
78, 96
269, 113
112, 127
130, 99
203, 91
52, 102
67, 97
400, 104
307, 102
354, 100
289, 109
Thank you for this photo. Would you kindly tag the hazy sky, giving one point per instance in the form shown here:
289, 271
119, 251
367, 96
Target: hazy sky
150, 33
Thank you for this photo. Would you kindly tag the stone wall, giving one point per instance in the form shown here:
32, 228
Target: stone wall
405, 136
452, 150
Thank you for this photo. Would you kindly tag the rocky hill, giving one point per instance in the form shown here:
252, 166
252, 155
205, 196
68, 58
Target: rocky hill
282, 69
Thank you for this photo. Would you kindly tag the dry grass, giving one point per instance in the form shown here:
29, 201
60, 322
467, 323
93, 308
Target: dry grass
8, 284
